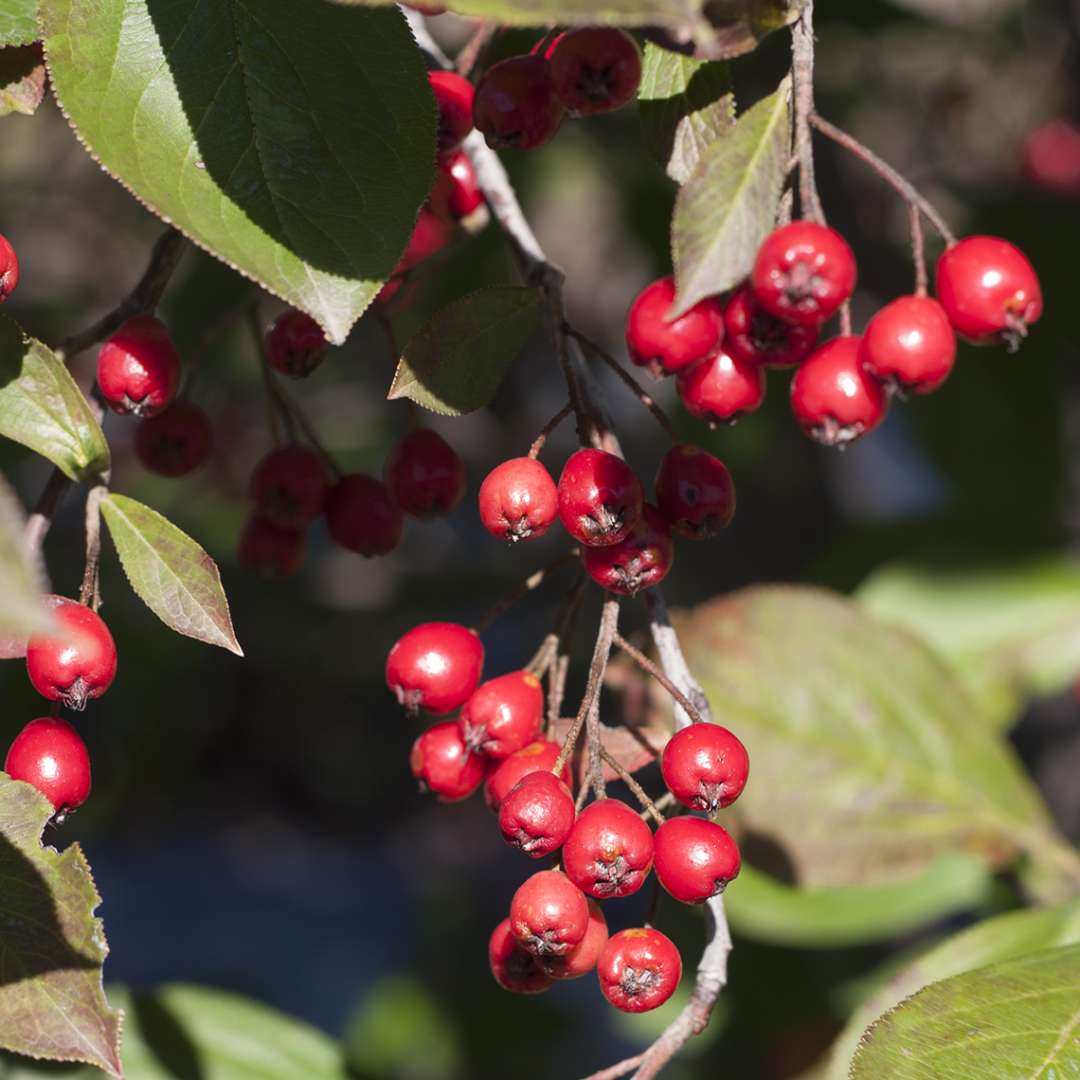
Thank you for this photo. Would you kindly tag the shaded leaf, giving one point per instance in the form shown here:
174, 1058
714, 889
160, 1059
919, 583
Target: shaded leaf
741, 25
18, 22
22, 80
22, 580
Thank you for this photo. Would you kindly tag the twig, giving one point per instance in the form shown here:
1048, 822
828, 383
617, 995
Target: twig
918, 249
90, 592
845, 318
802, 74
469, 55
650, 668
39, 522
524, 588
548, 428
639, 792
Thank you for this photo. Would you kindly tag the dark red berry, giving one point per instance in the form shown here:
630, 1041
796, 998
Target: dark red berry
515, 969
503, 715
425, 474
516, 104
289, 486
537, 756
1051, 157
49, 754
430, 234
443, 764
639, 969
270, 549
76, 660
609, 851
362, 515
548, 914
694, 492
518, 500
667, 346
9, 268
705, 767
582, 958
640, 561
176, 441
595, 69
138, 367
600, 498
695, 858
295, 344
910, 344
454, 99
435, 667
456, 194
722, 389
537, 814
752, 334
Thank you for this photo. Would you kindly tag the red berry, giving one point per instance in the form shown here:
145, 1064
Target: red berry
537, 756
834, 399
74, 662
176, 441
640, 561
49, 754
443, 764
665, 346
695, 859
1051, 157
518, 500
600, 498
289, 486
722, 389
516, 104
514, 969
454, 99
639, 969
435, 667
548, 914
989, 290
537, 814
295, 344
595, 69
9, 268
362, 516
705, 767
269, 549
425, 474
138, 367
456, 194
389, 290
503, 715
803, 272
609, 851
694, 492
582, 958
910, 344
752, 334
430, 234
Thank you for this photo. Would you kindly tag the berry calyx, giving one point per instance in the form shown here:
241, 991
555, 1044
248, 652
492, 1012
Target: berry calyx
49, 754
138, 367
443, 765
513, 968
722, 389
695, 859
516, 104
362, 516
582, 958
537, 756
548, 914
456, 194
639, 969
537, 814
667, 347
609, 851
9, 268
76, 660
425, 474
694, 492
176, 441
909, 344
596, 69
295, 344
289, 486
705, 767
454, 100
640, 561
518, 500
435, 667
600, 498
503, 715
269, 549
753, 334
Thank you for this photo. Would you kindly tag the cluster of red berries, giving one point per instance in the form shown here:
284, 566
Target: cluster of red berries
556, 928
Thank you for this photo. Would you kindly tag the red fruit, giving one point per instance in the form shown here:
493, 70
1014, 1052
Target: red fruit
516, 104
609, 851
289, 486
595, 69
989, 290
9, 268
666, 347
49, 754
454, 99
910, 344
425, 474
639, 969
75, 661
1051, 157
456, 194
518, 500
582, 958
537, 756
270, 549
833, 398
138, 367
722, 389
389, 290
705, 767
295, 344
503, 715
640, 561
514, 969
548, 914
694, 492
176, 441
362, 516
430, 234
803, 272
695, 859
435, 667
600, 498
752, 334
537, 814
443, 764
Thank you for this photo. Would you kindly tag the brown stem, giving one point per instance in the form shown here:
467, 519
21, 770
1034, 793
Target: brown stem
638, 791
650, 668
90, 592
470, 53
845, 318
918, 249
802, 74
524, 588
548, 428
40, 521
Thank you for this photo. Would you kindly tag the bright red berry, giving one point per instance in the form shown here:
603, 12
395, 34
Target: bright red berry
443, 764
454, 99
425, 474
49, 754
138, 367
639, 969
270, 549
595, 69
752, 334
989, 290
548, 914
695, 858
705, 767
537, 814
289, 486
1051, 157
722, 389
518, 500
582, 958
910, 344
537, 756
666, 347
9, 268
833, 398
430, 234
515, 969
503, 715
295, 344
435, 667
694, 492
803, 272
76, 660
362, 515
600, 498
456, 194
176, 441
609, 851
516, 104
640, 561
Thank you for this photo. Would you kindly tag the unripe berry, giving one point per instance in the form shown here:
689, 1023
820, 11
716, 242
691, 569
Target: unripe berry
752, 334
596, 69
694, 492
582, 958
640, 561
49, 754
513, 968
435, 667
269, 549
537, 756
138, 367
362, 515
705, 767
176, 441
666, 347
548, 914
600, 498
9, 268
516, 104
537, 814
609, 851
910, 344
503, 715
425, 474
289, 486
695, 859
76, 660
518, 500
454, 99
639, 969
443, 764
722, 389
295, 344
456, 194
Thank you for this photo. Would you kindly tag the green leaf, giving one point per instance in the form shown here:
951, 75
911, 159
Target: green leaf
52, 1004
1016, 1020
22, 579
42, 407
22, 80
172, 575
18, 22
454, 364
295, 142
728, 205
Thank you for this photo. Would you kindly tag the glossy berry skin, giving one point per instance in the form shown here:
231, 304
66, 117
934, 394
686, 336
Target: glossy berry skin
640, 561
600, 498
705, 767
425, 474
537, 815
516, 104
49, 754
803, 272
695, 859
269, 549
989, 290
910, 344
694, 492
176, 441
609, 851
639, 969
456, 194
834, 400
596, 69
548, 914
435, 667
537, 756
454, 100
362, 515
754, 335
518, 500
295, 344
289, 486
75, 661
503, 715
722, 389
138, 367
513, 968
443, 764
9, 268
666, 347
582, 958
